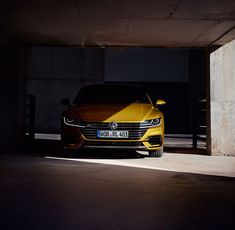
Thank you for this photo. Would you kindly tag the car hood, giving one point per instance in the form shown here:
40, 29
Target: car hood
134, 112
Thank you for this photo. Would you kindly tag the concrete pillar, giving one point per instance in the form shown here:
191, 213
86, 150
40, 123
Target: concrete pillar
11, 98
222, 95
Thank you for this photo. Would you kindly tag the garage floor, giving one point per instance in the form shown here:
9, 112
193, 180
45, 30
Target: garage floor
93, 191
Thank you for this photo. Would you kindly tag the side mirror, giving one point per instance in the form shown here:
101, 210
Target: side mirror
65, 101
160, 102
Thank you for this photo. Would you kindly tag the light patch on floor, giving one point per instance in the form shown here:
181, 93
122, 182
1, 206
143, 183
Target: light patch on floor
187, 163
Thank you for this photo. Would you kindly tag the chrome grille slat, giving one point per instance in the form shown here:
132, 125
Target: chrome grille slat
133, 131
120, 125
130, 131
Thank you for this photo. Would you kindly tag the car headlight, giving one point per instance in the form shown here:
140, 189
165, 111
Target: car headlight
73, 122
151, 123
156, 121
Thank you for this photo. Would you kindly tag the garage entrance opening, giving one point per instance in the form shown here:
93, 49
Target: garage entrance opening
175, 75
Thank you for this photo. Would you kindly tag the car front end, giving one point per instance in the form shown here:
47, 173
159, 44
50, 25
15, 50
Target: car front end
132, 125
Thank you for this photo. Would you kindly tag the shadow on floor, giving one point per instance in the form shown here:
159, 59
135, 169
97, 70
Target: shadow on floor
181, 150
54, 148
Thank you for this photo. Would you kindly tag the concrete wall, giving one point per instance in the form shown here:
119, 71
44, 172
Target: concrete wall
222, 94
148, 65
53, 73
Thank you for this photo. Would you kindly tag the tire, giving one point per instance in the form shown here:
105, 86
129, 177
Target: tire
156, 153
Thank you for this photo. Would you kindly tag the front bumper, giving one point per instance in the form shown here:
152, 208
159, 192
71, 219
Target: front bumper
148, 139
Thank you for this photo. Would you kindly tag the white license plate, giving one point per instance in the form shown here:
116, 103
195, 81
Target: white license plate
112, 134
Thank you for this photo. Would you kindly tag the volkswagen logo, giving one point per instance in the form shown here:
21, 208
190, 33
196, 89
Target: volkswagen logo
113, 125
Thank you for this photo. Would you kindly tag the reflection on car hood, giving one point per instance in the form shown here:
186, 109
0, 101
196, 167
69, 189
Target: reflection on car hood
120, 112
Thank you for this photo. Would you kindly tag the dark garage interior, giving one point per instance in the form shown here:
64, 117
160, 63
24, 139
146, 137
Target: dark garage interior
49, 50
48, 74
53, 73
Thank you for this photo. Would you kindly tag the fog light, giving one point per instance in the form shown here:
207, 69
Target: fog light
155, 140
70, 139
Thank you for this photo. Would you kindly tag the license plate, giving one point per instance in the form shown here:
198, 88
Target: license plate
112, 134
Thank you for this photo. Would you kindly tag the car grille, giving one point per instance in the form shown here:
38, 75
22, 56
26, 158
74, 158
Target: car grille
104, 144
135, 132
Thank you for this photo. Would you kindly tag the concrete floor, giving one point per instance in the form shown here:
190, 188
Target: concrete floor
173, 162
48, 193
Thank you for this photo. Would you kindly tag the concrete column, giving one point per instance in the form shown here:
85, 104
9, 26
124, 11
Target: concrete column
222, 94
11, 98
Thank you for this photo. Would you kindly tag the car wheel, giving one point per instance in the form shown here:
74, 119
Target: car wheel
156, 153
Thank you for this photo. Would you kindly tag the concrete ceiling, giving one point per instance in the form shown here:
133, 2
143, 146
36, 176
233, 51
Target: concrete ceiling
154, 23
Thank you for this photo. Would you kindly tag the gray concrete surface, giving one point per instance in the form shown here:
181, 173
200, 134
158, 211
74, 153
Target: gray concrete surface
222, 94
173, 162
155, 23
40, 193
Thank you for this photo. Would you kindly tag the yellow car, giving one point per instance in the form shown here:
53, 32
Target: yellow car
113, 116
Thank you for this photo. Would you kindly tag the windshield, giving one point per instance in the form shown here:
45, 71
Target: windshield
111, 94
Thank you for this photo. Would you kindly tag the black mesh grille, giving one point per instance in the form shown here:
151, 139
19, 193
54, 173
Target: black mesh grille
112, 143
155, 140
70, 139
